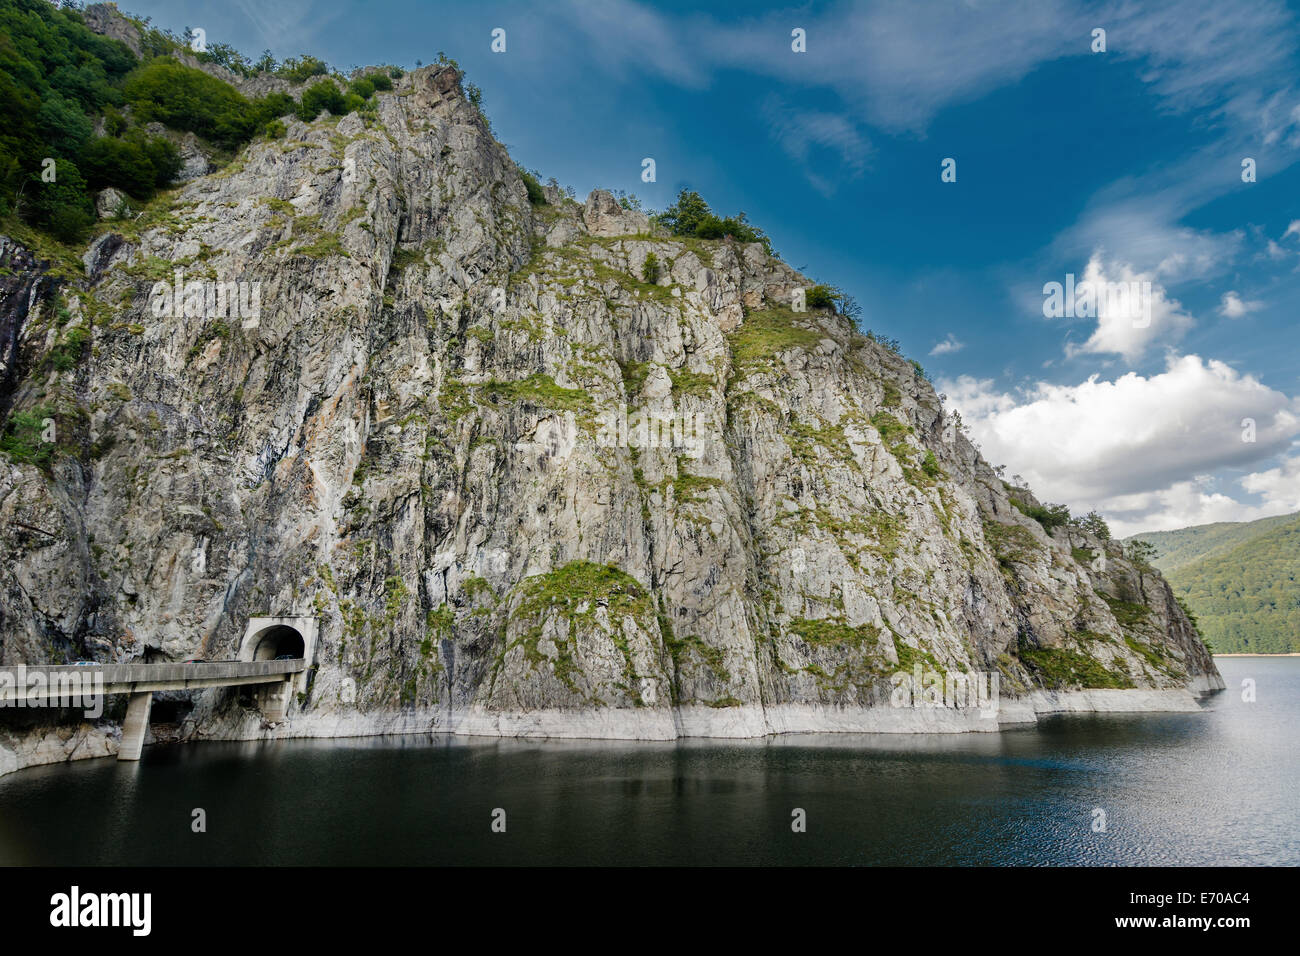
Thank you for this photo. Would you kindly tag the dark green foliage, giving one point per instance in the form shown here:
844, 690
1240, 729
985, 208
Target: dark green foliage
64, 206
184, 98
321, 96
691, 216
1049, 516
56, 76
223, 54
1141, 552
66, 126
820, 297
135, 163
181, 97
380, 81
930, 465
22, 437
53, 73
1095, 525
115, 123
302, 69
535, 194
650, 268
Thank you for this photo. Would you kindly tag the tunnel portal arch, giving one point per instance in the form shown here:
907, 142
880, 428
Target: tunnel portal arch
276, 641
266, 638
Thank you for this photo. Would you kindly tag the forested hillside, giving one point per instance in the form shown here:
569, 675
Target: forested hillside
1239, 579
1188, 545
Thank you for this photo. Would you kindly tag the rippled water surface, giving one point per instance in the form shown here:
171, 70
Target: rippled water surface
1216, 787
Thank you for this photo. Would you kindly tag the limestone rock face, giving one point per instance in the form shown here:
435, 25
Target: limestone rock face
604, 217
110, 202
194, 162
356, 375
105, 19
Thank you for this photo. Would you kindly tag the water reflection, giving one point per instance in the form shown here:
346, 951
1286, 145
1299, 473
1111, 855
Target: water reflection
1215, 787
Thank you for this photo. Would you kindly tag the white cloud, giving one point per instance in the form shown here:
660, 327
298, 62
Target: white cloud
624, 36
1133, 311
1279, 487
1182, 505
950, 344
1099, 441
1293, 229
896, 65
801, 132
1234, 307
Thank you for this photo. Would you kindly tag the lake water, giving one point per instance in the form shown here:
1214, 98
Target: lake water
1217, 787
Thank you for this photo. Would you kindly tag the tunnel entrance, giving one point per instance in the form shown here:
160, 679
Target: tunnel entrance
278, 641
266, 638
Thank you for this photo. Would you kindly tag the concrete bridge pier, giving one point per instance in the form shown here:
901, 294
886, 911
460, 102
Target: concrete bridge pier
273, 700
136, 725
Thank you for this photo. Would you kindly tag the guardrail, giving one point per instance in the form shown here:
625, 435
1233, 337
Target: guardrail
37, 680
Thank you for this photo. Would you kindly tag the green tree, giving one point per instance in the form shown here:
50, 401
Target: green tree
65, 126
1141, 552
1095, 525
63, 206
322, 96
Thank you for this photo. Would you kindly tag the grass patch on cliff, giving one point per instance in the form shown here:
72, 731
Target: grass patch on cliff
909, 657
541, 390
680, 648
574, 592
804, 441
22, 439
1059, 668
1010, 543
689, 489
692, 383
893, 433
825, 633
765, 334
1126, 613
891, 429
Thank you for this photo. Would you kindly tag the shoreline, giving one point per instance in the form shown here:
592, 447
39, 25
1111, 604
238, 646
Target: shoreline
67, 743
1247, 654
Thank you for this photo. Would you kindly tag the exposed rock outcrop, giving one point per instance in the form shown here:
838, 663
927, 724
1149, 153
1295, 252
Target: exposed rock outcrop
523, 489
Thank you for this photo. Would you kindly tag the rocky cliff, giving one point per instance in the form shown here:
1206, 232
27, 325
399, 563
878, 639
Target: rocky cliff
526, 484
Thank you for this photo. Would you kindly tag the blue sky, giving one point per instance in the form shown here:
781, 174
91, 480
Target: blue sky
1123, 165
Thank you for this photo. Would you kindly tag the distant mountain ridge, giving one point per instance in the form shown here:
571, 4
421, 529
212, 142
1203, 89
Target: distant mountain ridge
1239, 579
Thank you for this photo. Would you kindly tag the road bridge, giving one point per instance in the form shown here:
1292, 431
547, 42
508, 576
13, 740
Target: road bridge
275, 653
